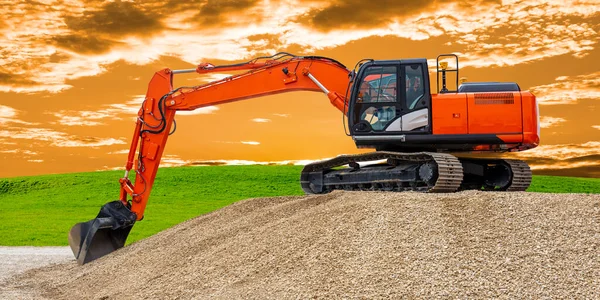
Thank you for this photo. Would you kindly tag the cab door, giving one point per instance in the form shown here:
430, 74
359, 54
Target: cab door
416, 97
383, 105
376, 99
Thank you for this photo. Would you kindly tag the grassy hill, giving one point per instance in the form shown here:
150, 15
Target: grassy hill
40, 210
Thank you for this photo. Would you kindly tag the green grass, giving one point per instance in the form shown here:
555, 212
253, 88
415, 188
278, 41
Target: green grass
558, 184
40, 210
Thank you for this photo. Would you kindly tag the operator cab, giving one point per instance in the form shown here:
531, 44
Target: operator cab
389, 100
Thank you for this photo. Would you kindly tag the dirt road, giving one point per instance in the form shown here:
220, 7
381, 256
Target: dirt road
356, 244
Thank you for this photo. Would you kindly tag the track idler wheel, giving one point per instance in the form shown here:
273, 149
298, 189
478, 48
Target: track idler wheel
428, 173
102, 235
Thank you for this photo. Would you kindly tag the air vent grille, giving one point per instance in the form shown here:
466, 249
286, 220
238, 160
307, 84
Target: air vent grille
494, 98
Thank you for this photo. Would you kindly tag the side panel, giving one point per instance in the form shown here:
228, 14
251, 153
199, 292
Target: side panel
494, 113
531, 122
449, 113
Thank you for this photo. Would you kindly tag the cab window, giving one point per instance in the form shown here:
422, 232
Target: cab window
378, 85
414, 85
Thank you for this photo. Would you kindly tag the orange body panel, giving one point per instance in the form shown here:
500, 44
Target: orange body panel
512, 116
495, 113
516, 138
531, 125
449, 114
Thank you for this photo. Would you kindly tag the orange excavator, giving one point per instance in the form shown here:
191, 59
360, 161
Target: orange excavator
387, 105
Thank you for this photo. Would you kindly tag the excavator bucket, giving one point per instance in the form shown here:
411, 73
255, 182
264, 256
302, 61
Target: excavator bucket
102, 235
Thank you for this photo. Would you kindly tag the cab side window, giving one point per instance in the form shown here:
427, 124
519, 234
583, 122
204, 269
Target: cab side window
379, 85
414, 85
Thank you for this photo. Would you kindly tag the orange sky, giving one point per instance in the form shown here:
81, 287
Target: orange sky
73, 73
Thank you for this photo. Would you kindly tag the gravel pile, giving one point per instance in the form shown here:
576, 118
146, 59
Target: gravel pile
356, 245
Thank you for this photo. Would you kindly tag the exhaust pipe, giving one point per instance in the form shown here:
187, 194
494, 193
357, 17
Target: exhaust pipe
102, 235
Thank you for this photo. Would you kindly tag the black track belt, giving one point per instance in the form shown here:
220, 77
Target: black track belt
449, 168
521, 178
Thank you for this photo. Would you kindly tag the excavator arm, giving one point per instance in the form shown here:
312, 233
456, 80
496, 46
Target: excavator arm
263, 76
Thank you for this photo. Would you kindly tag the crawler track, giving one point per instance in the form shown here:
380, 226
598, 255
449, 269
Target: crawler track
423, 172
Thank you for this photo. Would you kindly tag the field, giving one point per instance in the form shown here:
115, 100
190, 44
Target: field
40, 210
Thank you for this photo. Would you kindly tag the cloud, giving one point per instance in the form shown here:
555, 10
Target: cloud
19, 79
366, 15
70, 40
124, 151
562, 151
591, 171
57, 138
213, 11
85, 44
568, 89
9, 115
171, 160
35, 160
5, 142
546, 122
253, 143
40, 134
83, 118
118, 18
87, 142
532, 39
596, 127
20, 151
260, 120
282, 115
115, 111
580, 160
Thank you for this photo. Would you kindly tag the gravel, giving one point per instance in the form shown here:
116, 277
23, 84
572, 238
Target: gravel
16, 260
355, 245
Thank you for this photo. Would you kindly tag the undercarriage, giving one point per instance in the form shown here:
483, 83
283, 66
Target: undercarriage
422, 172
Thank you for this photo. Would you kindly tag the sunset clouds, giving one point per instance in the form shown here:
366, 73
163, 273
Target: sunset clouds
569, 89
73, 74
260, 120
9, 115
62, 40
56, 138
546, 122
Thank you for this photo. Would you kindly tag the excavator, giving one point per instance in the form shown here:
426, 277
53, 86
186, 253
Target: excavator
387, 105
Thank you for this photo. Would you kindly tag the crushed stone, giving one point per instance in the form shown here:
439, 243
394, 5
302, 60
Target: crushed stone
468, 244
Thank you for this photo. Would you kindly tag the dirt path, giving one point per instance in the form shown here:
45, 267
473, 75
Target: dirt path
356, 244
16, 260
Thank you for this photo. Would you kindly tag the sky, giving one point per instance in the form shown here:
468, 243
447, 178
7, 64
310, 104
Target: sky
73, 74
